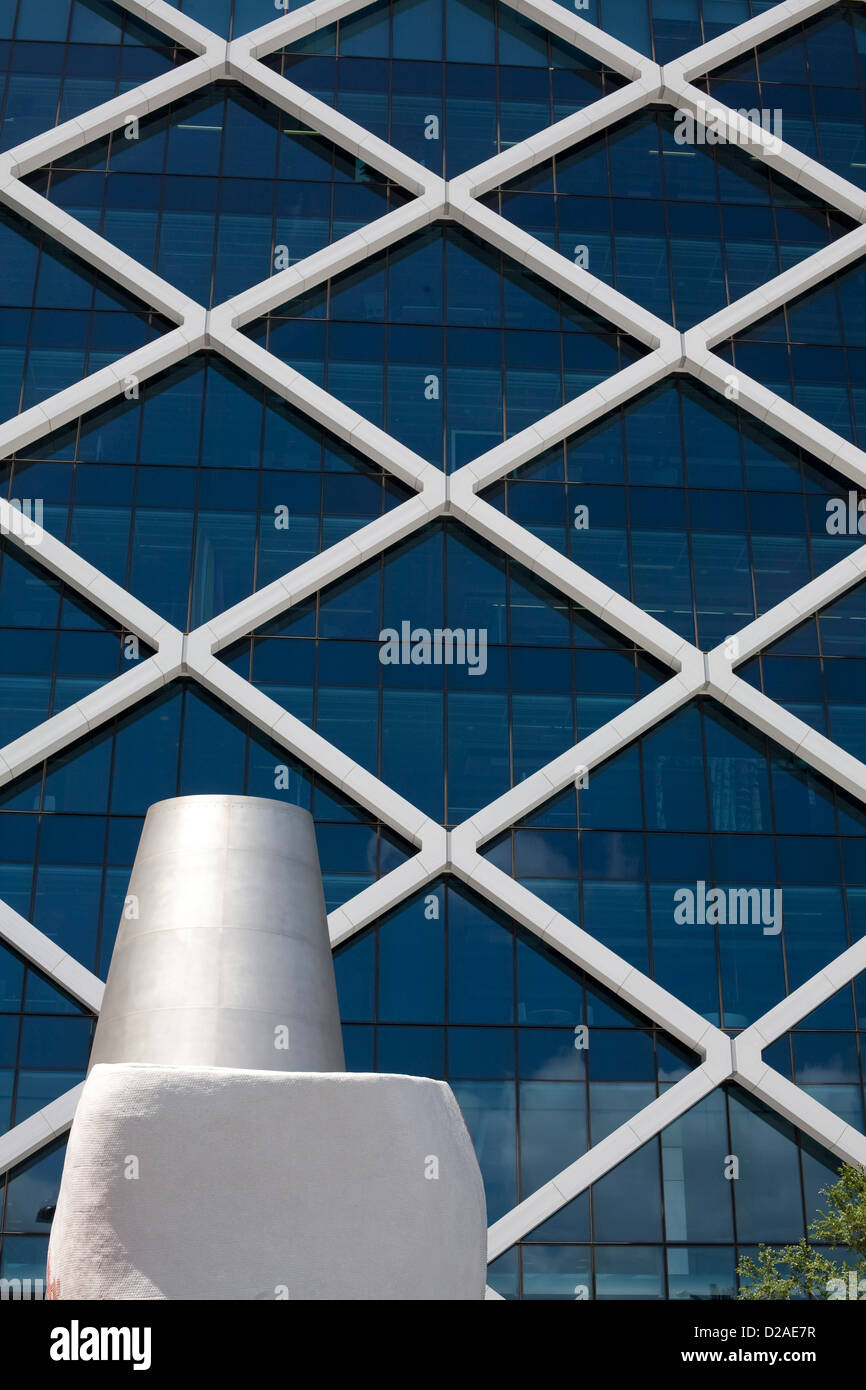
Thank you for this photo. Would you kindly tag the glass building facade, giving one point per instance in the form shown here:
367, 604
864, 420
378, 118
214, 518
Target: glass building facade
272, 389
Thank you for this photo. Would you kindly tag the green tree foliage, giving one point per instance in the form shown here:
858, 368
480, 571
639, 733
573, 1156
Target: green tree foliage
799, 1271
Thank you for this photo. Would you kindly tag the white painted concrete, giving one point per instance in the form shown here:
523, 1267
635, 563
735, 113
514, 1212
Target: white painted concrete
218, 1183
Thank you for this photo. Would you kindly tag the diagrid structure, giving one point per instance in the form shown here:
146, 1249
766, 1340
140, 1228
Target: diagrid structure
194, 655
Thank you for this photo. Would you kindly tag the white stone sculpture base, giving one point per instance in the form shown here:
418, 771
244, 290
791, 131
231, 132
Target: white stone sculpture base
216, 1183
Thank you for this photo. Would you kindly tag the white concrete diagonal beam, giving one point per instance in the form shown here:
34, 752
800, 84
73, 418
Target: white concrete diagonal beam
581, 125
388, 892
800, 1109
569, 940
801, 1002
89, 246
784, 616
754, 1073
90, 713
543, 261
730, 45
290, 28
779, 414
50, 959
88, 581
806, 275
330, 122
759, 1077
785, 728
569, 579
584, 35
347, 253
291, 733
100, 388
325, 409
74, 134
577, 414
602, 1158
598, 747
173, 22
41, 1129
315, 574
767, 146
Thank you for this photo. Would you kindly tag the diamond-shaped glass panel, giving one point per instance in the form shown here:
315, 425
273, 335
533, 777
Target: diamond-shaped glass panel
817, 670
687, 505
70, 57
202, 490
61, 319
52, 1048
681, 227
56, 647
606, 1243
179, 743
31, 1192
665, 29
445, 343
446, 986
812, 352
217, 191
823, 1052
449, 82
517, 675
705, 856
231, 18
812, 82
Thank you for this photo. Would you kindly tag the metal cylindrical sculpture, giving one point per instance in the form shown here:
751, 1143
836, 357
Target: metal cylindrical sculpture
220, 1149
222, 958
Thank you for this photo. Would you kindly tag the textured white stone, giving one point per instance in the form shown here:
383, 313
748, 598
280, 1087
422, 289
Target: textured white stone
259, 1185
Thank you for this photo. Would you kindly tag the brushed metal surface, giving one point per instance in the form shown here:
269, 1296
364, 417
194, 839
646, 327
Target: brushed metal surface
223, 956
